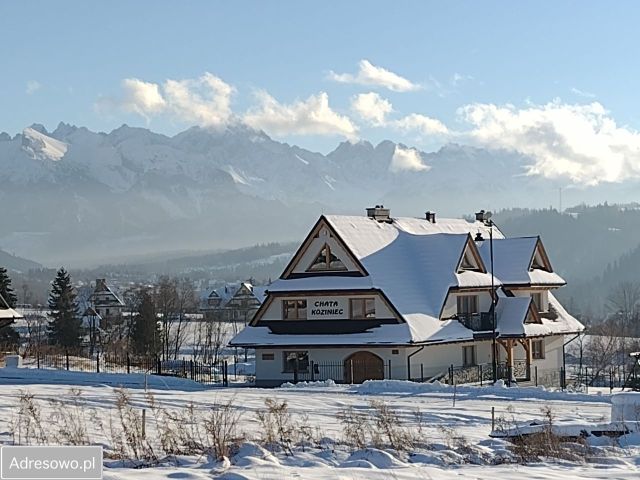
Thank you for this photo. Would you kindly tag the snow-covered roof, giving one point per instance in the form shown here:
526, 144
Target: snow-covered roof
512, 261
511, 313
398, 334
228, 291
7, 314
102, 289
415, 264
365, 236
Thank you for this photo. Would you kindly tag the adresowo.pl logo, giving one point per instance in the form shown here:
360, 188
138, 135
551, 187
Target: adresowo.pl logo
50, 463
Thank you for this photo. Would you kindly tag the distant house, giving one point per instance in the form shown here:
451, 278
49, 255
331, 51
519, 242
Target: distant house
7, 314
233, 303
376, 296
105, 303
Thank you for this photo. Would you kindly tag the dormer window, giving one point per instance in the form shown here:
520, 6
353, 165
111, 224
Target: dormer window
326, 261
469, 262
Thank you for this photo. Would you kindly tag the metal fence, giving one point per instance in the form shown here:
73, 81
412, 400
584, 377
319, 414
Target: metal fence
350, 371
208, 373
518, 373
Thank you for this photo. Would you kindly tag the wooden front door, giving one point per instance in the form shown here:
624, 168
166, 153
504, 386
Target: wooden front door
362, 366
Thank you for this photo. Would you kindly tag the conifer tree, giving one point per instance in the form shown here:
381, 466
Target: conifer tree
65, 326
6, 291
9, 338
144, 333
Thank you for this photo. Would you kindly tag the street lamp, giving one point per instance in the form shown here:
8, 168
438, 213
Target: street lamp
485, 217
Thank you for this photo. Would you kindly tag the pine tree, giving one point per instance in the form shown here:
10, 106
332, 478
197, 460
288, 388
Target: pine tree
144, 333
65, 326
6, 291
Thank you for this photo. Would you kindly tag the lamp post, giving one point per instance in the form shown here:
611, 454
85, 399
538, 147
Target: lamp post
493, 302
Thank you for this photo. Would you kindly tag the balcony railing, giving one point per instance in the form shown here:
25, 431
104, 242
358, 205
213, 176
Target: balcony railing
478, 322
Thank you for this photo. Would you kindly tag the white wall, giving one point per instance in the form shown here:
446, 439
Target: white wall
553, 353
269, 372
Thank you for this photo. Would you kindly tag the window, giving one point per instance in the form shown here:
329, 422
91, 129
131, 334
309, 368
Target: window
467, 304
294, 309
326, 261
268, 356
468, 262
469, 356
295, 362
537, 301
363, 308
537, 349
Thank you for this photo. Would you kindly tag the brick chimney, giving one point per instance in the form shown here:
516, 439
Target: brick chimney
379, 213
430, 216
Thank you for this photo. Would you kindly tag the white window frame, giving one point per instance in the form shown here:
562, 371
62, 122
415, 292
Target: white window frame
465, 356
538, 353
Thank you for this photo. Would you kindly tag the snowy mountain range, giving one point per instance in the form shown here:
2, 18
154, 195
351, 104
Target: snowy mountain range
73, 195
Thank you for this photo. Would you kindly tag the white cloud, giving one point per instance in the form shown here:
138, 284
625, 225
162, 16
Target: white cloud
407, 159
580, 142
312, 116
33, 86
372, 108
204, 101
143, 98
424, 125
369, 74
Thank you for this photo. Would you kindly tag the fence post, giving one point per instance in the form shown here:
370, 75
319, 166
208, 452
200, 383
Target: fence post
144, 423
390, 377
313, 379
98, 363
451, 374
351, 368
295, 371
38, 359
128, 363
562, 378
193, 371
159, 366
610, 380
422, 373
493, 418
481, 375
535, 375
67, 358
225, 374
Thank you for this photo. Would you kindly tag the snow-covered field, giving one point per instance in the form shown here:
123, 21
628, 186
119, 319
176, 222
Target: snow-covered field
455, 440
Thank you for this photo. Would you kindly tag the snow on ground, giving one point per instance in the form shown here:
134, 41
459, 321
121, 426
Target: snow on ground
468, 421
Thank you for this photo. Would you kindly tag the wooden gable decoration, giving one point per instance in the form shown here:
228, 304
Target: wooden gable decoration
323, 253
540, 259
470, 259
532, 314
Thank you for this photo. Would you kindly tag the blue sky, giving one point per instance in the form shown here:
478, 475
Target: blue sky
67, 60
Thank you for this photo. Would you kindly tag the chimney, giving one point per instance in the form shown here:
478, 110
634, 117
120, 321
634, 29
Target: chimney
430, 216
483, 216
379, 213
479, 237
101, 284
